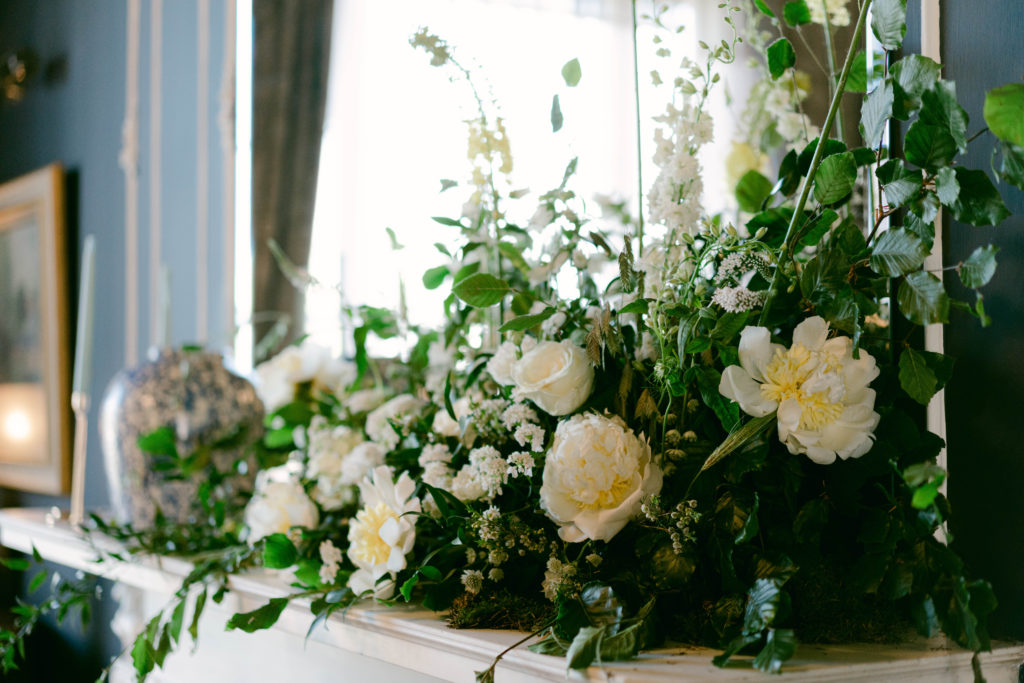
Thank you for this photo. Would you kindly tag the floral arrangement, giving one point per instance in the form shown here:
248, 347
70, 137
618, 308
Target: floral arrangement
714, 438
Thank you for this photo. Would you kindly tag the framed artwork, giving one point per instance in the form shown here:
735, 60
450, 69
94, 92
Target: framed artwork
35, 413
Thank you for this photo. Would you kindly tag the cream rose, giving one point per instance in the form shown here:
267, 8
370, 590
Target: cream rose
279, 504
596, 476
825, 409
557, 376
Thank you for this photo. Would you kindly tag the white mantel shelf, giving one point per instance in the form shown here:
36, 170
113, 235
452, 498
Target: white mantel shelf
414, 644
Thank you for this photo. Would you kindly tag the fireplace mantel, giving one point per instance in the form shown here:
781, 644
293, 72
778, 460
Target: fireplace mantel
371, 642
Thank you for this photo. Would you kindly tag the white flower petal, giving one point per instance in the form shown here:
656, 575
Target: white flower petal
755, 350
812, 333
737, 385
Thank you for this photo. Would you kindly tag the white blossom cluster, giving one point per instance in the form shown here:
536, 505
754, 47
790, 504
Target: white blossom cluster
737, 264
482, 477
558, 578
737, 299
330, 555
838, 13
674, 199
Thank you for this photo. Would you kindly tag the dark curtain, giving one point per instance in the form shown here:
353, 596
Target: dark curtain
291, 53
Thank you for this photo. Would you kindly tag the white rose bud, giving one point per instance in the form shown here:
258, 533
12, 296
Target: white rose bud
596, 476
557, 376
278, 504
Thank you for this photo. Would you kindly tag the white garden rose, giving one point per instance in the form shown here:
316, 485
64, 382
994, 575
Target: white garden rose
277, 378
500, 364
365, 400
825, 409
383, 532
557, 376
596, 476
278, 504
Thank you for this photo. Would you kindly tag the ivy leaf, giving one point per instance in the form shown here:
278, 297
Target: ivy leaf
922, 373
584, 647
979, 202
897, 252
947, 189
260, 618
781, 56
928, 146
525, 322
1003, 113
751, 191
889, 22
779, 646
556, 115
433, 277
571, 72
796, 13
835, 178
901, 184
979, 267
279, 552
923, 299
481, 290
875, 112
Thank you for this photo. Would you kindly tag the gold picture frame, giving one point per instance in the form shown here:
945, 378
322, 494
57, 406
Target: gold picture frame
35, 415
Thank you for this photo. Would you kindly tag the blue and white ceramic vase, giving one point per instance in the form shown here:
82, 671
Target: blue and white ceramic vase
201, 402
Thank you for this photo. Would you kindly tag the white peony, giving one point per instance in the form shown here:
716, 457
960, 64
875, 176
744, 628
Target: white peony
596, 476
398, 411
365, 400
277, 378
444, 425
557, 376
383, 532
819, 389
278, 504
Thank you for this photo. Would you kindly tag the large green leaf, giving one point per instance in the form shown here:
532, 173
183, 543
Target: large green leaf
940, 107
525, 322
481, 290
571, 72
433, 277
915, 74
979, 202
979, 267
875, 112
781, 56
928, 146
584, 647
923, 299
857, 81
889, 22
279, 552
947, 189
897, 252
796, 13
835, 179
1012, 168
922, 373
900, 183
260, 618
751, 191
1004, 113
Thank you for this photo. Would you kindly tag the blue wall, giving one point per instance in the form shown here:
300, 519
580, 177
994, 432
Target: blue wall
78, 122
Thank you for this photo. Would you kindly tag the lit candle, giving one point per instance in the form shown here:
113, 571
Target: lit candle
83, 336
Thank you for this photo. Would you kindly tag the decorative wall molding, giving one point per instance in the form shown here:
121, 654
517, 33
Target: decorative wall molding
202, 169
128, 159
226, 128
155, 202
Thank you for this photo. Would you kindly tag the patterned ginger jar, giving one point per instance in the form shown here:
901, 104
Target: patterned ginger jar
191, 393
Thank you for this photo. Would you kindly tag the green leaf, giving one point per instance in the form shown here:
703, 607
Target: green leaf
729, 325
260, 618
781, 56
727, 411
779, 646
889, 22
796, 13
141, 659
947, 189
916, 378
979, 202
159, 442
197, 612
1004, 113
901, 184
481, 290
979, 267
875, 112
916, 74
571, 72
636, 306
15, 564
928, 146
177, 620
556, 115
751, 191
37, 581
408, 585
584, 648
923, 299
1012, 168
764, 8
450, 222
433, 277
940, 107
857, 81
835, 178
525, 322
395, 245
549, 645
623, 645
897, 252
279, 552
738, 438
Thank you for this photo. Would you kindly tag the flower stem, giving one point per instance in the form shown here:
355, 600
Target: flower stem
819, 152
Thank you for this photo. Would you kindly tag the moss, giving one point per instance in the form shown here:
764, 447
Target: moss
500, 610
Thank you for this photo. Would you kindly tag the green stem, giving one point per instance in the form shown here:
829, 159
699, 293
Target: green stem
819, 152
830, 54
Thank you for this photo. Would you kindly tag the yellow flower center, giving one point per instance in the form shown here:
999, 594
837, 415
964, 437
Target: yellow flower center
784, 379
597, 484
367, 545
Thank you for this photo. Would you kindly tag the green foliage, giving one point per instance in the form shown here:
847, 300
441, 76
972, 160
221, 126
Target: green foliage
1002, 112
923, 299
781, 56
557, 120
979, 267
796, 13
897, 252
889, 22
752, 190
978, 202
279, 552
260, 618
571, 73
922, 373
481, 290
835, 179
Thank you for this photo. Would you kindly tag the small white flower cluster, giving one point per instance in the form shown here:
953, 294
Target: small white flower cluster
331, 557
334, 463
674, 199
737, 299
737, 264
387, 424
482, 477
558, 578
520, 464
434, 459
473, 580
521, 420
838, 14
